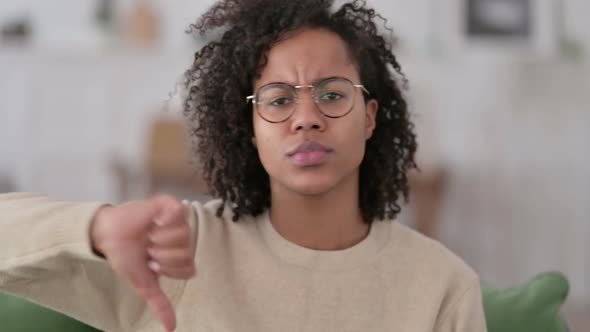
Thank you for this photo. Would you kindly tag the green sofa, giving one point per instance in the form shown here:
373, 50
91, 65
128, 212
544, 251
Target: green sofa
18, 315
531, 307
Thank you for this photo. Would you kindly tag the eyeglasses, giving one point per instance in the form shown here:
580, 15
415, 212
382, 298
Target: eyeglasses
334, 98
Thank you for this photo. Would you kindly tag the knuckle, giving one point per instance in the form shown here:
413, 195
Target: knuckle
180, 272
153, 252
161, 197
176, 206
170, 202
185, 237
187, 260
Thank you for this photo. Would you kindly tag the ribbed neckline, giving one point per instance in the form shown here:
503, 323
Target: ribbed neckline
363, 253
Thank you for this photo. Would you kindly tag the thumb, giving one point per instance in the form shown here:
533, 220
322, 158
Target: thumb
146, 284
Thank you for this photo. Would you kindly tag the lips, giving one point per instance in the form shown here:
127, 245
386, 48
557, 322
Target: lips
309, 154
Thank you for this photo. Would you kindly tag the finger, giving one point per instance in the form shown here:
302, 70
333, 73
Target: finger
173, 258
145, 282
175, 235
172, 211
157, 300
175, 272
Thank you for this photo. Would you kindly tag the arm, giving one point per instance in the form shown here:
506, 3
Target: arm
46, 256
465, 313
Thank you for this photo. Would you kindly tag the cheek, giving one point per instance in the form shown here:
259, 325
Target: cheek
352, 136
356, 152
267, 144
353, 147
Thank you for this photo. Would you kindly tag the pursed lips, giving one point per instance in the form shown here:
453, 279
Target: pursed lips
309, 154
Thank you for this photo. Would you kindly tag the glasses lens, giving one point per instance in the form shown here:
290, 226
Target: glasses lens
276, 102
334, 97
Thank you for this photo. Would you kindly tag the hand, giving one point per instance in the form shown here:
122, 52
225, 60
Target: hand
142, 240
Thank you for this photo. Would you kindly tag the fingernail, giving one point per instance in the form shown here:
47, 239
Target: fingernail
165, 218
159, 221
154, 266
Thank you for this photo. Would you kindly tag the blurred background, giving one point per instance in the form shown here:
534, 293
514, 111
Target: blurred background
499, 91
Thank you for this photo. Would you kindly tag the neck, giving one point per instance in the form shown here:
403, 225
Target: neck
327, 221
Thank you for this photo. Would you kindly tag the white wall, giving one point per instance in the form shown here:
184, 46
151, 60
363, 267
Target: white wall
64, 117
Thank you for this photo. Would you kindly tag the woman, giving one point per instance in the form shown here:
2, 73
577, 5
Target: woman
306, 140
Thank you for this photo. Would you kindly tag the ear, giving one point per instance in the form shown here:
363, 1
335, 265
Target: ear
371, 109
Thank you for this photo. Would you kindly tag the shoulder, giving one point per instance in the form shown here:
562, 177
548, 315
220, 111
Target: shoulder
207, 211
426, 255
431, 272
216, 211
425, 268
213, 219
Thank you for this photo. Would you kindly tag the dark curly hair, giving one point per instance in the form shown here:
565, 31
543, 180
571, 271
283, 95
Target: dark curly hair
223, 73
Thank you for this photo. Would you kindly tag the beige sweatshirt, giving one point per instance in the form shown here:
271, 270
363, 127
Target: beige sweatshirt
248, 278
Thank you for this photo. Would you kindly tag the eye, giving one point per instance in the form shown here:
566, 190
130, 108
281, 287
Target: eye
282, 101
331, 96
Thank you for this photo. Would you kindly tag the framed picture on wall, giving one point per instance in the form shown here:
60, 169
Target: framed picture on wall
497, 27
500, 19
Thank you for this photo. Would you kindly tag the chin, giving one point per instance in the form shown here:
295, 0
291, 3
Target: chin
310, 190
311, 185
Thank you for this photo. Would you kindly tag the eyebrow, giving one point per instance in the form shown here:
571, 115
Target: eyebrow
316, 81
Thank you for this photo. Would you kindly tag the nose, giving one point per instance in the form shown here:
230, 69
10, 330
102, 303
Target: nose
307, 115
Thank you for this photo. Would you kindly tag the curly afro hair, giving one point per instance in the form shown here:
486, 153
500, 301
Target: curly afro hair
222, 75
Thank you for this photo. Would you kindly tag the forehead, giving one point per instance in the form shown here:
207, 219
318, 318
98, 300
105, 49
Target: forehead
307, 55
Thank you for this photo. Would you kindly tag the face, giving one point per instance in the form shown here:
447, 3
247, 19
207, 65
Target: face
311, 154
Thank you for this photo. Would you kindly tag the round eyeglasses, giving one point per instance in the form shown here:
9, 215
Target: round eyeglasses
334, 98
